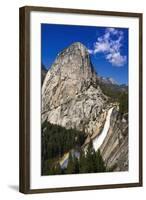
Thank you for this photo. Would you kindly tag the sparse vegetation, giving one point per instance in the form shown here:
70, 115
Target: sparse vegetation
117, 93
123, 100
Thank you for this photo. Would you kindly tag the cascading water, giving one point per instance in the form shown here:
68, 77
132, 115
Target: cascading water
98, 140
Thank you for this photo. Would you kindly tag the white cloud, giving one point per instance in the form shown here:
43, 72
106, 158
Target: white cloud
90, 51
102, 46
112, 30
110, 44
116, 59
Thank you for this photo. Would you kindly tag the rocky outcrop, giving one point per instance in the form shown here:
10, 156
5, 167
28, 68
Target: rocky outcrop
115, 146
71, 96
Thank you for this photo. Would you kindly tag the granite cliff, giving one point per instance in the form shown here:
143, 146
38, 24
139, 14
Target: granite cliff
73, 97
115, 146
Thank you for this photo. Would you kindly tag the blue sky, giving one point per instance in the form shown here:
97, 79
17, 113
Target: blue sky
107, 46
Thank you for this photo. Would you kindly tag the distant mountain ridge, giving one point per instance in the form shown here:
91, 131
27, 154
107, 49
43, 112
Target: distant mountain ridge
107, 80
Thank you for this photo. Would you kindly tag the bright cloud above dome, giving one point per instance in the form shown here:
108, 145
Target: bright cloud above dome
110, 44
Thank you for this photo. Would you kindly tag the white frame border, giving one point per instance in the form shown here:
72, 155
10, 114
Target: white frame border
36, 181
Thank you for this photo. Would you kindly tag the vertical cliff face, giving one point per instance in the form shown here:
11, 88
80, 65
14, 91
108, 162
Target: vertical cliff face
115, 146
71, 96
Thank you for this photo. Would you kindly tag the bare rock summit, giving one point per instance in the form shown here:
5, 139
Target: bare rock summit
71, 96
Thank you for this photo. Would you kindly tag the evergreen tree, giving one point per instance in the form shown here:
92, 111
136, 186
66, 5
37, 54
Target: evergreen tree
58, 169
123, 100
90, 159
100, 163
70, 166
57, 140
76, 165
82, 163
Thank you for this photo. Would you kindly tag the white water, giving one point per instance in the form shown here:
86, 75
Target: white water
97, 142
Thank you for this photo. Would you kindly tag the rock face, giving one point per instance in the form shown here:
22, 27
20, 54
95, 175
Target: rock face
43, 73
115, 146
71, 96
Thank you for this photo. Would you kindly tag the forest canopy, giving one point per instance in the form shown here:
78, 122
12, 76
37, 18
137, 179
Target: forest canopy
56, 141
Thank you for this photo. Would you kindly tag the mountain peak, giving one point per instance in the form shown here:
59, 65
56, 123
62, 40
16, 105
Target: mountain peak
74, 63
75, 48
70, 90
107, 80
78, 45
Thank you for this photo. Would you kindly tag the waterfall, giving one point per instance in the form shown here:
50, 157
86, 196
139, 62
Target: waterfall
98, 140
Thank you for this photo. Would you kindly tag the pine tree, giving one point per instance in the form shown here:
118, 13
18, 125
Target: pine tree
91, 159
82, 163
100, 163
76, 165
70, 166
58, 169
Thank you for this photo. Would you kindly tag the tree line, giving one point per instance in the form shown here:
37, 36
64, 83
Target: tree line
117, 94
89, 162
57, 140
